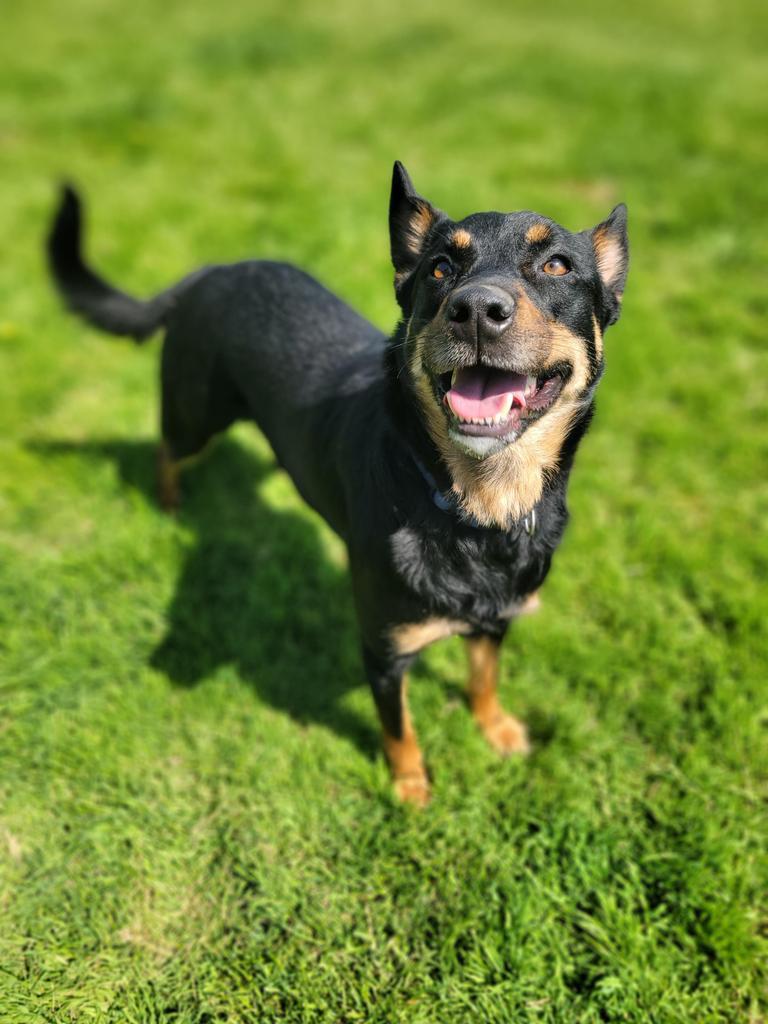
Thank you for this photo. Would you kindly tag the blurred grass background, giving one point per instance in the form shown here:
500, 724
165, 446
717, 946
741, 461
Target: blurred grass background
195, 823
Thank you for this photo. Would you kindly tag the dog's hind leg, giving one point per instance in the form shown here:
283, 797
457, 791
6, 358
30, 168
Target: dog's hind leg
504, 732
168, 470
389, 684
181, 442
198, 401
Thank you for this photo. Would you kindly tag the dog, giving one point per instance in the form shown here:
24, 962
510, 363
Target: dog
440, 455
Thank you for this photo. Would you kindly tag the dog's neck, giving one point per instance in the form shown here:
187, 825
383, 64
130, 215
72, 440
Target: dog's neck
502, 489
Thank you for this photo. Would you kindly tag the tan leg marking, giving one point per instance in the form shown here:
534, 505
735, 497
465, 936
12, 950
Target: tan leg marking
168, 491
528, 606
504, 732
405, 761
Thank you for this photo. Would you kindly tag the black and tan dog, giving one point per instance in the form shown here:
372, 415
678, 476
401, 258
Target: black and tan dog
441, 456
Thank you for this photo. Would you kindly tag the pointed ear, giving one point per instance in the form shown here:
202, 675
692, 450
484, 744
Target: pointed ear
410, 219
609, 241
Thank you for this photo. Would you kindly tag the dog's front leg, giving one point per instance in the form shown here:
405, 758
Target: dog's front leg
388, 681
504, 732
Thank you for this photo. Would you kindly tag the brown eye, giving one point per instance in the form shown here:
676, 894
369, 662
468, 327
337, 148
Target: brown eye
556, 267
442, 269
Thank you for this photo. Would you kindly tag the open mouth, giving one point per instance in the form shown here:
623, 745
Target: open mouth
484, 401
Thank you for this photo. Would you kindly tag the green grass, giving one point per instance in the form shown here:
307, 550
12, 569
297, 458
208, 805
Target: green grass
195, 822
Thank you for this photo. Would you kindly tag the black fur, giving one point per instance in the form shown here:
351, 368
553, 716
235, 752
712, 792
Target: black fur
335, 398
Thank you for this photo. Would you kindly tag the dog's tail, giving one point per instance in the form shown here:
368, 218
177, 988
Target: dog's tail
91, 296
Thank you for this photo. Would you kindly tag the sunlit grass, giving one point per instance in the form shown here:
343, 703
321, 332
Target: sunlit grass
195, 823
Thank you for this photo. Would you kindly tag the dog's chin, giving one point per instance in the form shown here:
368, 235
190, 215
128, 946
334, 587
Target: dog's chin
488, 409
479, 446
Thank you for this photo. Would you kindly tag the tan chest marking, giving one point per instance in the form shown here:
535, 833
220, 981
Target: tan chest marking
527, 606
411, 637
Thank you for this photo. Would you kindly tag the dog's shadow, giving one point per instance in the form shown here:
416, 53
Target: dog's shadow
257, 590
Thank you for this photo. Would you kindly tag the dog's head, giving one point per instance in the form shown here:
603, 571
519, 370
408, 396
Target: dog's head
503, 316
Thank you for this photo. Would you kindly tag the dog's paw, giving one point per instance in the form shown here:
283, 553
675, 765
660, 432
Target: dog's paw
169, 503
412, 789
507, 735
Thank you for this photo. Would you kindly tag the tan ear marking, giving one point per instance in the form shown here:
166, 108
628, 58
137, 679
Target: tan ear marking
418, 226
609, 255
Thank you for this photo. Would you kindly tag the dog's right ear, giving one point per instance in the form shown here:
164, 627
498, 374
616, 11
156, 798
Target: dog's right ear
411, 218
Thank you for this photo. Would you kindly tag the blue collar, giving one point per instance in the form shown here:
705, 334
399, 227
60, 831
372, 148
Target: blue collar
449, 503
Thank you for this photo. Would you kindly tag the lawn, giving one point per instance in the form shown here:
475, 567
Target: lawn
196, 824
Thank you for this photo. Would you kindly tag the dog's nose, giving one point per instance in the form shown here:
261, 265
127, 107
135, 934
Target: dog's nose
480, 313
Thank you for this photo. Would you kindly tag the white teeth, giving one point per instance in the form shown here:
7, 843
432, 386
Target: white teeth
488, 421
454, 375
503, 413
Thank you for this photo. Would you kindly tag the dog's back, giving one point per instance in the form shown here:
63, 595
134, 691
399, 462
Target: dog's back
254, 340
267, 342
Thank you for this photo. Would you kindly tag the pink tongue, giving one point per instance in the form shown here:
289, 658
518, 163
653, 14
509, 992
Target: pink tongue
477, 393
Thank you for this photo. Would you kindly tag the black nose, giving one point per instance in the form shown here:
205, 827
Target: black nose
480, 312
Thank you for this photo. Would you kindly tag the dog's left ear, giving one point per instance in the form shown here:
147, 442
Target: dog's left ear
609, 240
410, 219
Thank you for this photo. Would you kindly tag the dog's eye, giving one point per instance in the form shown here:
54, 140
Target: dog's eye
442, 269
556, 267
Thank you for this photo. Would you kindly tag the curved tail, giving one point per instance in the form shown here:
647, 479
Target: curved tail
85, 292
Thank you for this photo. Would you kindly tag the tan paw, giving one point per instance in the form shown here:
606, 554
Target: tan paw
412, 789
507, 735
